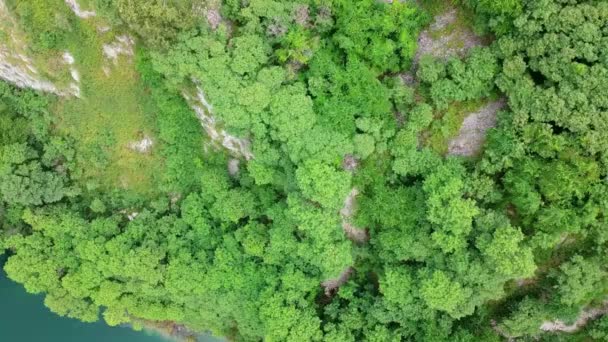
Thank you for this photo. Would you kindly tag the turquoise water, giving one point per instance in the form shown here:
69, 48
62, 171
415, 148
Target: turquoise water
24, 318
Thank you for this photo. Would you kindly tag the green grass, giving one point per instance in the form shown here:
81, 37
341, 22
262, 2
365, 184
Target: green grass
112, 114
435, 7
112, 111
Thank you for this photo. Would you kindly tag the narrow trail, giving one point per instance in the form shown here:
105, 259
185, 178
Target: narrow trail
355, 234
583, 318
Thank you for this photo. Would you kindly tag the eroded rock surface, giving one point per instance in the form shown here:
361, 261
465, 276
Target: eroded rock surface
83, 14
142, 146
474, 128
75, 84
18, 68
331, 285
233, 167
348, 210
123, 45
441, 41
239, 147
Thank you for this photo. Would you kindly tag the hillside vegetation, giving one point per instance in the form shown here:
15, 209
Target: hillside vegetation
306, 170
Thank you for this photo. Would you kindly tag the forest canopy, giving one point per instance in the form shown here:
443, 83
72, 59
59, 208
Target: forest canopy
310, 176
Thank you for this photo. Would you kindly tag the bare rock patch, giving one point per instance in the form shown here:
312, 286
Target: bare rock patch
332, 285
239, 147
19, 69
75, 84
233, 167
83, 14
142, 146
123, 45
474, 128
442, 41
348, 210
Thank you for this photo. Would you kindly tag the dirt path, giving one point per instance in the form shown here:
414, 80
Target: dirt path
348, 210
355, 234
582, 320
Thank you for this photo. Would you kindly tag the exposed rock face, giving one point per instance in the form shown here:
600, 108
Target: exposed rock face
75, 85
233, 167
142, 146
214, 18
83, 14
103, 29
123, 45
473, 130
239, 147
17, 68
24, 75
456, 42
348, 210
331, 285
131, 215
350, 163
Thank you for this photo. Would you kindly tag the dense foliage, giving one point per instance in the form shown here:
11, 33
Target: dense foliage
449, 248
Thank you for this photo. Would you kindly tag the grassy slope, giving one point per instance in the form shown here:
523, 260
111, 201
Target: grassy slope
112, 111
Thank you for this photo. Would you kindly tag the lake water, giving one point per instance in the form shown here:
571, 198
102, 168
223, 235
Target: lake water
24, 318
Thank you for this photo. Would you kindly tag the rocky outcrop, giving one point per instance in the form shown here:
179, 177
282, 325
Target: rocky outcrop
440, 40
121, 46
18, 68
348, 210
233, 167
142, 146
474, 128
83, 14
238, 147
332, 285
75, 84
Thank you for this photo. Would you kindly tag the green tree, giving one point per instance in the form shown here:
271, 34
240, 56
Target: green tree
441, 293
323, 183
